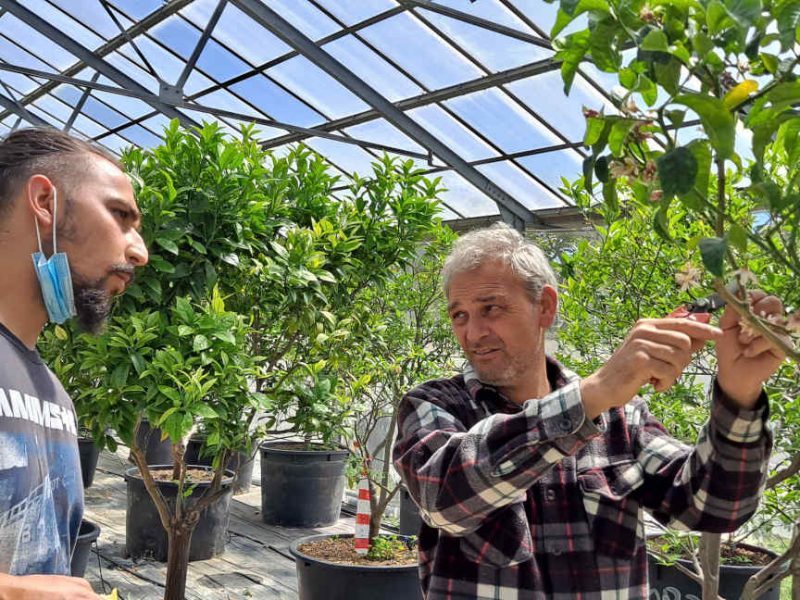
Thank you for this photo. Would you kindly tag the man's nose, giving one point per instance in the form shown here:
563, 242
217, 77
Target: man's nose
477, 328
137, 254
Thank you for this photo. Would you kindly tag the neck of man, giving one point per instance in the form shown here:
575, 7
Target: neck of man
22, 309
533, 384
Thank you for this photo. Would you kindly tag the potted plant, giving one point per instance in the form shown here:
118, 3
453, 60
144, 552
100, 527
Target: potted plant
707, 72
404, 340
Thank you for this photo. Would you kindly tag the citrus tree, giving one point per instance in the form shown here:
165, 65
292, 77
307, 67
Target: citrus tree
705, 113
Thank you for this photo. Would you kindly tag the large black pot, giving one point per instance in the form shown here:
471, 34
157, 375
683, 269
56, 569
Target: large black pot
410, 521
87, 534
156, 450
668, 582
144, 535
301, 488
240, 463
322, 580
89, 453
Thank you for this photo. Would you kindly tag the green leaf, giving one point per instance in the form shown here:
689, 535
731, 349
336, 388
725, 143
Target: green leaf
788, 21
61, 333
717, 17
655, 40
661, 222
668, 75
604, 54
702, 44
167, 245
588, 172
744, 11
738, 237
594, 128
200, 343
205, 411
718, 123
677, 171
574, 50
232, 259
770, 62
712, 250
676, 117
695, 198
619, 131
119, 377
647, 88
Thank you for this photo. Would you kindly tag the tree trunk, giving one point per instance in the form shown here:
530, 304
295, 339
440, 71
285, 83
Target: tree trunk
709, 559
180, 539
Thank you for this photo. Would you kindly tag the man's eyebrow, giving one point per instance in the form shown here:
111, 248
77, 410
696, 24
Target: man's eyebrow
452, 305
490, 298
135, 213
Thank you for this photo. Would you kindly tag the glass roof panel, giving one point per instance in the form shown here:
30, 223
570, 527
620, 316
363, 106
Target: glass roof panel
54, 121
434, 62
373, 69
137, 9
520, 185
448, 130
503, 121
156, 123
495, 51
176, 34
493, 10
220, 63
545, 95
542, 13
306, 17
227, 101
35, 42
165, 64
77, 30
381, 132
14, 55
21, 84
276, 102
347, 157
140, 136
133, 71
197, 82
317, 87
238, 31
88, 126
133, 108
550, 167
103, 114
465, 197
54, 106
115, 143
355, 11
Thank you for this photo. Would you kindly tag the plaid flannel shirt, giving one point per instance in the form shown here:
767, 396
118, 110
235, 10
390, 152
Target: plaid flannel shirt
539, 502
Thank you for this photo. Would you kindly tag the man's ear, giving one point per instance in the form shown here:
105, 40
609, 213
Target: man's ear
39, 199
548, 305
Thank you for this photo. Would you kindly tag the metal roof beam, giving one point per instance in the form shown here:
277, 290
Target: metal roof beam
513, 211
453, 91
13, 107
149, 21
147, 97
89, 58
477, 21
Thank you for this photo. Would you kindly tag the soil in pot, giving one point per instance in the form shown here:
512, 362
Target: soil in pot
240, 463
301, 487
738, 563
337, 573
386, 550
144, 534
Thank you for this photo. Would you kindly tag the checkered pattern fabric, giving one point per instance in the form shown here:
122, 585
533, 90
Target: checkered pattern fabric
539, 502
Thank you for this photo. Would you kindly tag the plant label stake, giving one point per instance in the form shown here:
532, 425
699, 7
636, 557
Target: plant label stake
363, 513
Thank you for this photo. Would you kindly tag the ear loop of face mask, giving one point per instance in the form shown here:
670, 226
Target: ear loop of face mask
55, 279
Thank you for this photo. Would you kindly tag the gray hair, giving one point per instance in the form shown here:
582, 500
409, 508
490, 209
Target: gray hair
500, 243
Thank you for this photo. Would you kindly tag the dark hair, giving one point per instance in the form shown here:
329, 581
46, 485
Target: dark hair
51, 152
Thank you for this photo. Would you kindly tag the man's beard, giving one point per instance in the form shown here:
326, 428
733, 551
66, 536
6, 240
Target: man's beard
92, 303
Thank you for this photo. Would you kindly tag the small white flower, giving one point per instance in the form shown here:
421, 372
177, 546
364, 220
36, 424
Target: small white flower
688, 277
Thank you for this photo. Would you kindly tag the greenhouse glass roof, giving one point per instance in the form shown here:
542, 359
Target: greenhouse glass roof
469, 90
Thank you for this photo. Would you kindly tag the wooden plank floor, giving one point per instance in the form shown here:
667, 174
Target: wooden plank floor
256, 562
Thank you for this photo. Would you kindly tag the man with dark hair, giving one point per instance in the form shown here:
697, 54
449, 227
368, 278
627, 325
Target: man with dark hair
69, 243
532, 481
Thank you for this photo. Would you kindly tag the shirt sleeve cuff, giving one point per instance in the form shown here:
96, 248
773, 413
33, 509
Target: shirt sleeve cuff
564, 421
738, 425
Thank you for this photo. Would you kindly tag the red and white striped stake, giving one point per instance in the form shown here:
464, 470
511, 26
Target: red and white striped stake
363, 513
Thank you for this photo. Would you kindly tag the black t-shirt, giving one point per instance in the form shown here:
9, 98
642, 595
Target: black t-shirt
41, 491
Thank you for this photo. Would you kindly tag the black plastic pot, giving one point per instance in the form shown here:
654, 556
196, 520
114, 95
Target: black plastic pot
89, 454
87, 534
301, 488
144, 535
240, 463
322, 580
410, 521
156, 451
668, 582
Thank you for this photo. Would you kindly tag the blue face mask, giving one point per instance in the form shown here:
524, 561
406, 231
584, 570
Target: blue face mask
54, 276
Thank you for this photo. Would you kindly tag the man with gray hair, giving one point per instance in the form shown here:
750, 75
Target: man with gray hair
530, 480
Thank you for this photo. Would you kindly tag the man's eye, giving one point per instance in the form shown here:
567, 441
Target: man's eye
122, 214
457, 316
